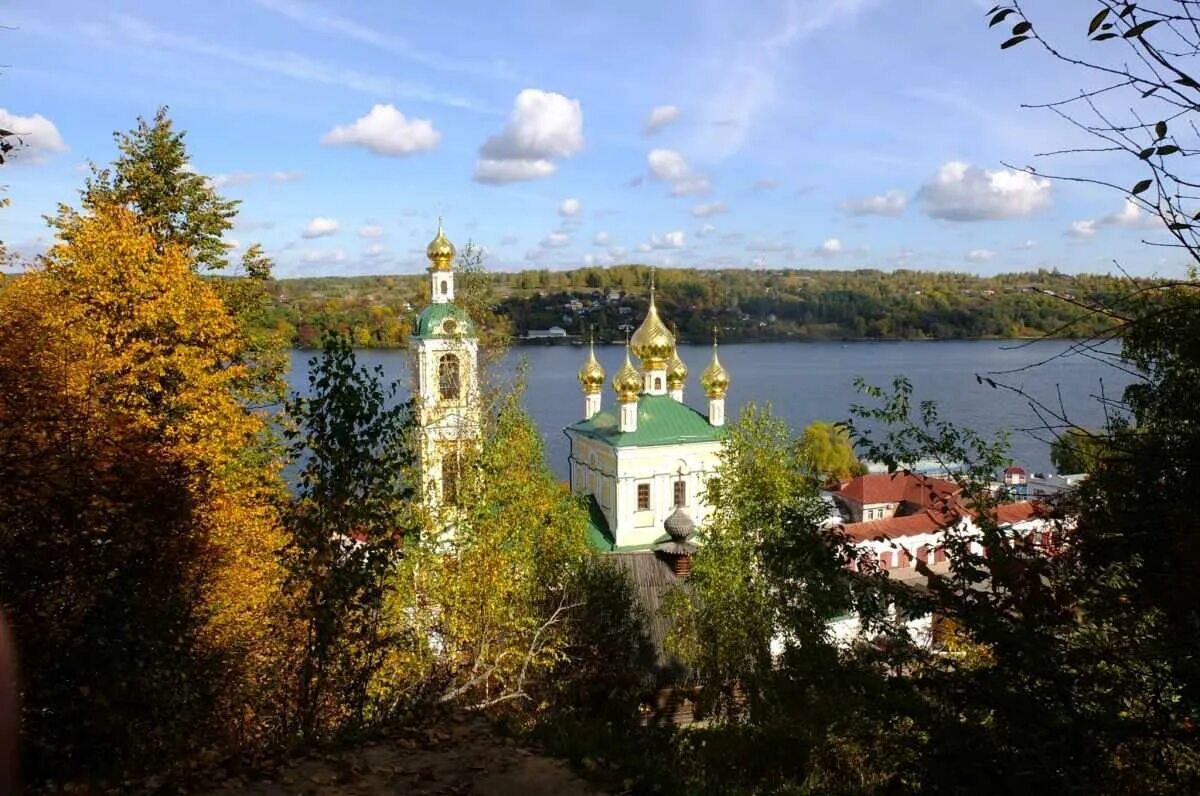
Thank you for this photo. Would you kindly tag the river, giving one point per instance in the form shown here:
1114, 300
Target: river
815, 380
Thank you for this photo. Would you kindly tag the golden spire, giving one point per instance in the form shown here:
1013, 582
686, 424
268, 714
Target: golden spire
591, 375
440, 251
715, 379
677, 372
627, 382
652, 342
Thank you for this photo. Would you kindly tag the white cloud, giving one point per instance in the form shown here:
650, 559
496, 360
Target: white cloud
830, 247
1025, 245
1130, 215
556, 240
601, 239
40, 137
501, 171
962, 192
322, 256
375, 251
569, 208
543, 127
710, 209
1082, 229
667, 165
891, 203
219, 181
705, 230
980, 255
370, 231
385, 131
232, 244
660, 117
669, 240
287, 176
319, 227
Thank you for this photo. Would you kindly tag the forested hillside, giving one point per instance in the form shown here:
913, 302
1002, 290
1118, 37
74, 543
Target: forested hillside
745, 304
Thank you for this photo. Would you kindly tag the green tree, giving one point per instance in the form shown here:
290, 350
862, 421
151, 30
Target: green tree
347, 526
1077, 451
827, 453
154, 177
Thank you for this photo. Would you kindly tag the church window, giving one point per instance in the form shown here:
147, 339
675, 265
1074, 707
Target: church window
643, 497
657, 383
448, 377
451, 477
445, 287
680, 493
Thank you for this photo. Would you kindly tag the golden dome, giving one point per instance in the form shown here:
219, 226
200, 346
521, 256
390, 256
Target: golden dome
591, 375
652, 342
627, 382
677, 372
440, 251
715, 379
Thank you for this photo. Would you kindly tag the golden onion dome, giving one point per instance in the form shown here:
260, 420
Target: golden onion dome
627, 382
653, 342
591, 375
715, 379
440, 251
677, 372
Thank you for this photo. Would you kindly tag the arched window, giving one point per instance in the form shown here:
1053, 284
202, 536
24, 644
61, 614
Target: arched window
448, 377
657, 383
445, 287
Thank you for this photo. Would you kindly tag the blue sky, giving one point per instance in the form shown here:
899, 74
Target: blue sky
810, 133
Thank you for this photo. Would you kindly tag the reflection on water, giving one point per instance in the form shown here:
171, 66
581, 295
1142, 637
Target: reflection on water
809, 381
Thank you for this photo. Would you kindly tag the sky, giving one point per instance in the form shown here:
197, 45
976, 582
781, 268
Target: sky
758, 133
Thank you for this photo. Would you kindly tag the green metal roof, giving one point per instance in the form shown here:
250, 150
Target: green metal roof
661, 421
431, 322
599, 536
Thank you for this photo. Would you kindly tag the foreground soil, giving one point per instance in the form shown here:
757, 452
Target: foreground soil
460, 756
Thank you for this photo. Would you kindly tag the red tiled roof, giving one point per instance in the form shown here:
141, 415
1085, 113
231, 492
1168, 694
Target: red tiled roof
893, 527
1017, 512
897, 488
1015, 470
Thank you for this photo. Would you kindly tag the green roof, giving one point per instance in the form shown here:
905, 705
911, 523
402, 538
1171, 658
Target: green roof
431, 322
599, 536
661, 420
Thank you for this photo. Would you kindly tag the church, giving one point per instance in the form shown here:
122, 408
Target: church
643, 465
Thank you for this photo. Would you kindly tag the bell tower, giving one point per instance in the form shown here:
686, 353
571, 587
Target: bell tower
445, 351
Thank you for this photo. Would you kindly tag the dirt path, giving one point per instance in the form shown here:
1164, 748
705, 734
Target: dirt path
462, 756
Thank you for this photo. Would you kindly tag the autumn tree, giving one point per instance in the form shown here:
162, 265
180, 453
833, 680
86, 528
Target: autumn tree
827, 453
138, 562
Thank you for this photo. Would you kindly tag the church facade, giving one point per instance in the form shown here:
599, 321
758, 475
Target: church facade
643, 465
444, 354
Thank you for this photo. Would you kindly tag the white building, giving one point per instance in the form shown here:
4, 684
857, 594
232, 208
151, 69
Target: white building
650, 455
444, 352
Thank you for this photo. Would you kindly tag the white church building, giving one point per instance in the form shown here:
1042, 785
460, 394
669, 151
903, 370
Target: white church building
648, 458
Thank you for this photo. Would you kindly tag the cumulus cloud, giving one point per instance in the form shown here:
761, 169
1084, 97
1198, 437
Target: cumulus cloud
705, 230
385, 131
569, 208
370, 231
668, 240
1026, 245
322, 256
710, 209
830, 247
601, 239
1130, 215
287, 176
660, 117
219, 181
667, 165
38, 134
1082, 230
556, 240
959, 191
543, 127
375, 251
891, 203
320, 227
980, 255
